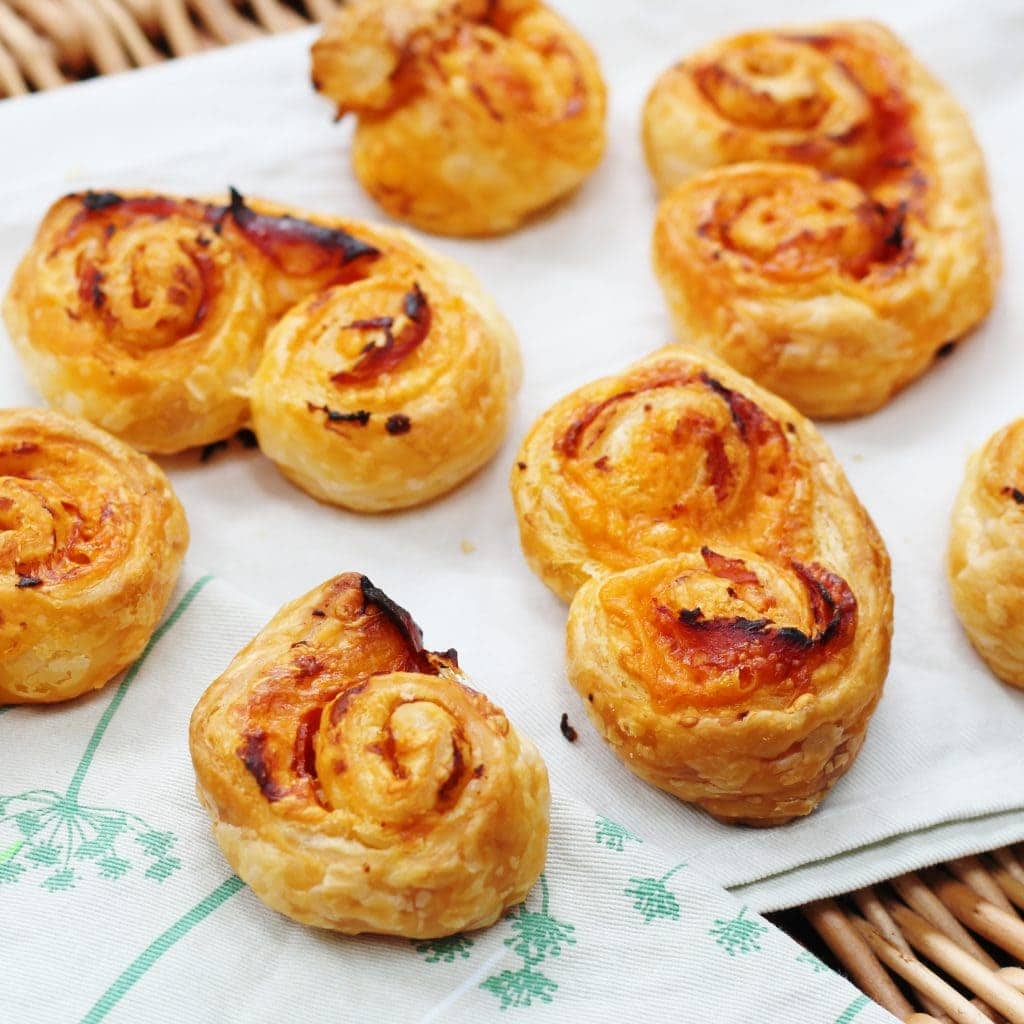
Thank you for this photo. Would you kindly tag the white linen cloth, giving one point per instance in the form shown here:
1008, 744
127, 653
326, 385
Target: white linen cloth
942, 771
117, 907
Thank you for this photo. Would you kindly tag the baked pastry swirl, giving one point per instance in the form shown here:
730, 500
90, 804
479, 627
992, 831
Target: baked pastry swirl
730, 681
986, 552
471, 114
91, 542
390, 391
826, 226
357, 783
146, 314
732, 617
377, 375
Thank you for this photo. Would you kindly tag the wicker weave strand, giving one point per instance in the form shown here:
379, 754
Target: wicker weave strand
950, 940
47, 43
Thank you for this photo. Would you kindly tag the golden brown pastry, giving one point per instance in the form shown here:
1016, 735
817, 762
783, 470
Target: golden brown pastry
676, 452
740, 684
387, 392
986, 553
826, 226
91, 543
357, 783
380, 375
732, 617
146, 314
471, 114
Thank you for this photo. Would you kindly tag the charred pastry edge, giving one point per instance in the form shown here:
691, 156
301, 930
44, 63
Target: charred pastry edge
360, 417
398, 423
406, 625
250, 749
250, 753
374, 359
1016, 493
287, 227
246, 217
790, 635
90, 286
97, 200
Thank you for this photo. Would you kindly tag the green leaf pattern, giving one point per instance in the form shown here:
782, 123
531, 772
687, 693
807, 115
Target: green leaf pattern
58, 840
740, 934
652, 898
613, 836
446, 950
520, 988
62, 841
536, 935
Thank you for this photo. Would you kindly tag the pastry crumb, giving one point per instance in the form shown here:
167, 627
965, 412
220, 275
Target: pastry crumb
567, 730
467, 546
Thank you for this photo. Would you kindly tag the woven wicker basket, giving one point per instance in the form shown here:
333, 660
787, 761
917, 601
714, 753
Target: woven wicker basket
47, 43
946, 944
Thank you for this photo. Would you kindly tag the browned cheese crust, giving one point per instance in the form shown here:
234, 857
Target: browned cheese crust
826, 225
357, 783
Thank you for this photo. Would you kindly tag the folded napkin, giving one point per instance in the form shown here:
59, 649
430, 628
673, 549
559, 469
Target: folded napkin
117, 906
941, 772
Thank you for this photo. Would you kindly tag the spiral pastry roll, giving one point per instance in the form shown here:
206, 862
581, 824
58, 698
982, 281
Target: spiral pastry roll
732, 617
677, 452
357, 783
390, 391
91, 542
736, 683
826, 226
986, 553
471, 114
147, 314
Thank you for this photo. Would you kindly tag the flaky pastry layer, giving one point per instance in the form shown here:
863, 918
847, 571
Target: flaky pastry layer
986, 552
357, 783
387, 392
91, 543
377, 375
732, 617
826, 226
739, 684
471, 115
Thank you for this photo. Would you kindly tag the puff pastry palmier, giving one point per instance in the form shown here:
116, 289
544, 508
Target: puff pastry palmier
471, 114
390, 391
853, 237
357, 783
91, 543
986, 553
732, 615
146, 314
676, 452
737, 683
